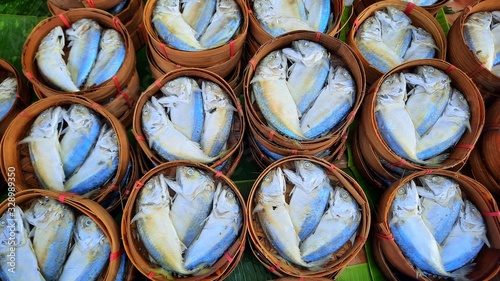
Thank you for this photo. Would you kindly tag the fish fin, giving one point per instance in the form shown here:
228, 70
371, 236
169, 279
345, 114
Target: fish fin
467, 125
485, 240
174, 185
257, 208
460, 274
318, 265
28, 139
293, 177
137, 217
163, 272
202, 271
32, 233
436, 159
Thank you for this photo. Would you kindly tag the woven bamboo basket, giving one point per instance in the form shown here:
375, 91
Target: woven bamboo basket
460, 152
388, 270
98, 93
482, 174
235, 79
18, 156
261, 36
490, 140
136, 250
336, 48
488, 258
82, 206
360, 5
23, 97
238, 126
419, 18
461, 56
71, 4
268, 256
297, 279
252, 46
204, 58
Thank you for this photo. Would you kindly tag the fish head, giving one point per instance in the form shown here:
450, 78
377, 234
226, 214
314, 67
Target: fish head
193, 181
54, 39
439, 188
8, 87
273, 183
273, 66
225, 201
110, 37
483, 19
340, 76
46, 124
471, 219
392, 89
214, 97
312, 174
13, 222
433, 77
371, 29
155, 192
227, 6
406, 199
343, 204
87, 232
399, 18
167, 6
79, 116
154, 116
80, 27
495, 16
310, 52
43, 210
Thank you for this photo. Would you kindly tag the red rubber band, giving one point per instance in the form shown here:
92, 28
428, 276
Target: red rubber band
262, 156
362, 239
117, 83
158, 84
294, 151
344, 136
387, 237
331, 168
271, 135
65, 20
162, 46
428, 171
25, 115
143, 32
228, 257
491, 214
466, 146
409, 8
355, 24
115, 256
127, 99
398, 164
140, 138
22, 100
316, 38
218, 272
238, 106
351, 115
249, 12
273, 267
218, 174
178, 66
95, 106
231, 49
113, 187
116, 23
138, 185
477, 71
62, 197
237, 160
151, 275
450, 69
30, 76
252, 63
91, 3
127, 192
373, 91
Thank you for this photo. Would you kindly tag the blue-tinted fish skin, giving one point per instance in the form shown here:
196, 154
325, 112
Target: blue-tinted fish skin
223, 25
173, 40
198, 14
319, 15
8, 90
389, 138
269, 153
122, 271
396, 31
119, 8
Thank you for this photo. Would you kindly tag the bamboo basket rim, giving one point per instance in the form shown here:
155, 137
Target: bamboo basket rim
21, 96
154, 88
100, 4
202, 58
432, 9
235, 251
98, 93
84, 206
461, 150
475, 192
481, 174
19, 126
334, 46
333, 266
124, 15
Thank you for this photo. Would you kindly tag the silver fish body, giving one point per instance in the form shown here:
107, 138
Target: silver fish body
219, 231
99, 166
119, 7
165, 139
223, 25
332, 104
422, 45
193, 201
81, 134
336, 227
274, 22
197, 13
109, 59
8, 90
308, 72
495, 31
478, 36
309, 196
53, 229
90, 252
396, 29
19, 247
84, 36
44, 147
219, 111
50, 62
318, 14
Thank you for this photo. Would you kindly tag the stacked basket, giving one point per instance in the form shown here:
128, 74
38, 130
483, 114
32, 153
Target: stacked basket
118, 94
22, 98
360, 5
331, 145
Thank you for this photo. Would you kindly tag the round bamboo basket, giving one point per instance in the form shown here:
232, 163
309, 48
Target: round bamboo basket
136, 250
98, 93
23, 97
481, 173
82, 206
490, 140
261, 36
419, 18
204, 58
238, 126
460, 152
18, 157
71, 4
486, 263
360, 5
267, 255
336, 48
462, 57
389, 271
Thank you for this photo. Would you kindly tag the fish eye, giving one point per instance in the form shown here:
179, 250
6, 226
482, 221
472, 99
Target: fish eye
88, 222
230, 195
401, 191
307, 164
3, 223
344, 194
190, 171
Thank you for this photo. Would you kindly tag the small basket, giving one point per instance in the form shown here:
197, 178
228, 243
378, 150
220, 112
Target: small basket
488, 258
204, 58
98, 93
238, 126
336, 48
18, 157
71, 4
267, 255
23, 98
261, 36
419, 18
460, 153
461, 56
360, 5
84, 206
137, 252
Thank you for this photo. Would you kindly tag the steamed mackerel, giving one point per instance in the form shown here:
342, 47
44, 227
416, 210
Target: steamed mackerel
25, 266
219, 231
192, 203
318, 14
275, 23
422, 45
223, 25
8, 90
165, 139
155, 228
81, 134
90, 253
84, 36
309, 196
50, 62
395, 29
53, 224
197, 13
271, 91
44, 147
478, 36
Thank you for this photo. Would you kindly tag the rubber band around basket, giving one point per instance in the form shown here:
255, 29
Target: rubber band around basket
231, 49
398, 164
95, 106
138, 185
386, 237
115, 255
262, 156
140, 138
450, 69
117, 83
409, 8
151, 275
355, 25
428, 171
274, 267
317, 37
373, 91
491, 214
294, 151
361, 239
477, 71
62, 197
218, 174
65, 20
228, 257
466, 146
237, 160
126, 98
116, 23
252, 63
113, 187
238, 106
30, 76
331, 168
25, 115
271, 135
158, 84
218, 272
351, 115
91, 3
143, 32
162, 46
491, 127
249, 12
